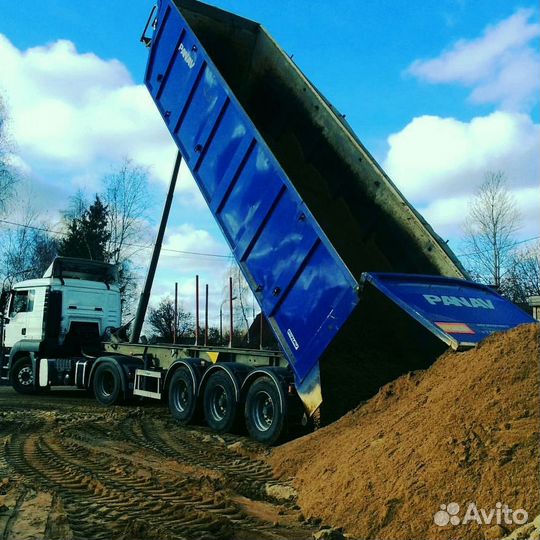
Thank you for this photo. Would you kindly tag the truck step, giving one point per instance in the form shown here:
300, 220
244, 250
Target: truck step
4, 375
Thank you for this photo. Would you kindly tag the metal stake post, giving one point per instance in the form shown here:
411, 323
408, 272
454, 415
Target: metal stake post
206, 317
175, 311
196, 310
231, 324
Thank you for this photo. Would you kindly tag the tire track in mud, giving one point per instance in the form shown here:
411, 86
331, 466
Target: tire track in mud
91, 495
164, 489
248, 476
127, 475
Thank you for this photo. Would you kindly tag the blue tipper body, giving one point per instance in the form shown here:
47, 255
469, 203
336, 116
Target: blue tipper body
303, 286
459, 312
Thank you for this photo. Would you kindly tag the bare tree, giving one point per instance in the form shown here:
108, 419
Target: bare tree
8, 177
17, 243
78, 204
243, 300
490, 228
161, 321
523, 278
127, 198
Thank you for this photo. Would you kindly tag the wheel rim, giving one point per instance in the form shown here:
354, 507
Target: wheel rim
107, 383
181, 396
25, 376
219, 402
263, 411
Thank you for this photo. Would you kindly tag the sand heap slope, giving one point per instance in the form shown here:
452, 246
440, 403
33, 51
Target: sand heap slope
465, 430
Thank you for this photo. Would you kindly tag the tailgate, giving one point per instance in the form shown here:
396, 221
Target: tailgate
459, 312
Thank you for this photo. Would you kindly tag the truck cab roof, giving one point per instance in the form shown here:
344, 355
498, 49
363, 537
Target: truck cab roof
75, 268
80, 283
76, 272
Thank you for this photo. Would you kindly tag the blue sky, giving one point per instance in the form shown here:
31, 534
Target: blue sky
365, 44
439, 91
356, 52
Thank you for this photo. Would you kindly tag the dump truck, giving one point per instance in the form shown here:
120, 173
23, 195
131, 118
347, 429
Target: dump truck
356, 286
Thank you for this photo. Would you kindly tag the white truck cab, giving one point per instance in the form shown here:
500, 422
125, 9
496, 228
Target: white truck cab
59, 315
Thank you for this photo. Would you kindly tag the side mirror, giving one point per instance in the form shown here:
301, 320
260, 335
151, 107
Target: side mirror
5, 320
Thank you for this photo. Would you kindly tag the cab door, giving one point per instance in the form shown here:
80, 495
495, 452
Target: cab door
21, 303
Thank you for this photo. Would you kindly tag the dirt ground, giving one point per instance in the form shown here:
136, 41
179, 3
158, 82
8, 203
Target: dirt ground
70, 469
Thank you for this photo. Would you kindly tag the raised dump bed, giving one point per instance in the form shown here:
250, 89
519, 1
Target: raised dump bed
304, 207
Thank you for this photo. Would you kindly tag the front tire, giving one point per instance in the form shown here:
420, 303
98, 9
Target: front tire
182, 397
22, 376
107, 385
220, 404
265, 411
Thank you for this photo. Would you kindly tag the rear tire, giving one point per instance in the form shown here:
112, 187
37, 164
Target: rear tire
107, 385
220, 404
265, 411
22, 376
182, 397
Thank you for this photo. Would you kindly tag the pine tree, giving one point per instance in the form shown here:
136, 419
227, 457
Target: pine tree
87, 235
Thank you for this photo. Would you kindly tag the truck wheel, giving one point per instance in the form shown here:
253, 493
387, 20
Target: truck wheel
107, 385
182, 397
265, 416
220, 405
22, 376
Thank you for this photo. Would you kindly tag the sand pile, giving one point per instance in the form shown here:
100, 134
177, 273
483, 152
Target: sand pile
465, 430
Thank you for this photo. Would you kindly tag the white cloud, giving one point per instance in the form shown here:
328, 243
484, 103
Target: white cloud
438, 163
444, 156
76, 113
447, 215
500, 66
528, 200
442, 214
189, 249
